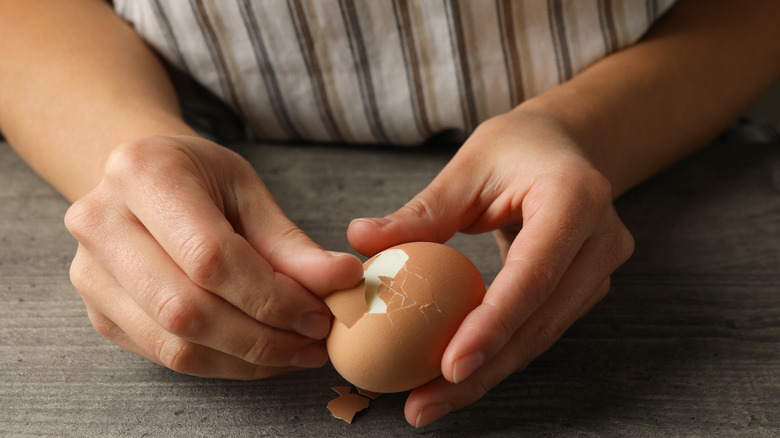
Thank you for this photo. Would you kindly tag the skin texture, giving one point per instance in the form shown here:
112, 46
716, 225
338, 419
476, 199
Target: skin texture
543, 176
90, 108
107, 133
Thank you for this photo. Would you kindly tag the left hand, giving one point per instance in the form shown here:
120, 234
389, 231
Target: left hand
523, 177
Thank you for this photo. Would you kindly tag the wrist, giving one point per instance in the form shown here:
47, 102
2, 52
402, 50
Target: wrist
601, 130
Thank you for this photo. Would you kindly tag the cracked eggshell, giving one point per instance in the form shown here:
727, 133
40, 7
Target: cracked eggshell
414, 299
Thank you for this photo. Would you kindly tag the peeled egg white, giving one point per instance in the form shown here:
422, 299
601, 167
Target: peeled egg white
389, 333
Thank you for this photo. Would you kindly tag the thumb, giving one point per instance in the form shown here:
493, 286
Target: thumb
290, 251
318, 270
435, 215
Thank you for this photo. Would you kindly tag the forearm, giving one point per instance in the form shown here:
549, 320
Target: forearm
75, 81
643, 108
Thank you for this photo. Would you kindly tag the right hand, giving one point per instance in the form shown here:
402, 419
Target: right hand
185, 258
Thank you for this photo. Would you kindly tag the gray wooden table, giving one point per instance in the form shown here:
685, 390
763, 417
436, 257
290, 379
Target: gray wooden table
686, 344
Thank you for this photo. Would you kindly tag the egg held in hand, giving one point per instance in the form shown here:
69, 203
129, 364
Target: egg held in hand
390, 331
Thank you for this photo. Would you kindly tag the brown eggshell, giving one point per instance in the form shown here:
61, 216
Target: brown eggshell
426, 302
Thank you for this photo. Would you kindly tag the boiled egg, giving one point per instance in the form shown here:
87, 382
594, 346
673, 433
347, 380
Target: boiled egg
390, 331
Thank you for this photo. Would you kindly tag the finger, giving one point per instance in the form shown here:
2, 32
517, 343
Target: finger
504, 238
448, 204
291, 251
179, 306
177, 204
197, 226
94, 285
175, 353
533, 270
439, 397
123, 323
576, 293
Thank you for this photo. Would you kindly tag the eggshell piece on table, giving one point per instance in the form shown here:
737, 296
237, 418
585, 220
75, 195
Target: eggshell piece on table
414, 297
347, 404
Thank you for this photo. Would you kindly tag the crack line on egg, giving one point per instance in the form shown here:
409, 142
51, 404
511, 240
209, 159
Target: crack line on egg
398, 290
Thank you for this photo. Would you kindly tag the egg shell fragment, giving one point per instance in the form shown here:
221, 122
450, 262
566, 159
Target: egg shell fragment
426, 301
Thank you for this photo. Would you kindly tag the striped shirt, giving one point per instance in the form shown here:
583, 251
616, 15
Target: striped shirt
383, 71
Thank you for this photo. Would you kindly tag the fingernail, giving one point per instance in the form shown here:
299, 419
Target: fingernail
465, 366
339, 254
314, 325
378, 221
310, 356
431, 413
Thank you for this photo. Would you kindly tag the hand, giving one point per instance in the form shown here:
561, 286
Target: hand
185, 258
523, 177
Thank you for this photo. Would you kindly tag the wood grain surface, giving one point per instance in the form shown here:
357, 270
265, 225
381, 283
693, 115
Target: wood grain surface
686, 344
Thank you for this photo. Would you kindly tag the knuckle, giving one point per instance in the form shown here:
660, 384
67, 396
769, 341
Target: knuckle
594, 194
598, 188
540, 280
506, 327
292, 234
177, 354
503, 322
583, 187
263, 307
85, 218
424, 210
149, 160
136, 157
178, 315
129, 159
203, 259
545, 333
620, 243
80, 273
104, 326
262, 351
493, 127
601, 291
624, 244
544, 277
282, 249
478, 389
420, 207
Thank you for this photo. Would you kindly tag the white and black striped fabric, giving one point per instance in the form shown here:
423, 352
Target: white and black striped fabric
383, 71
